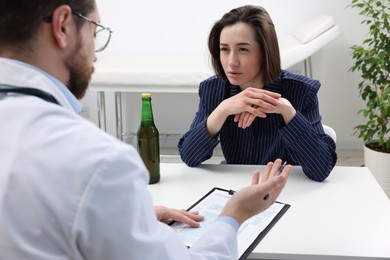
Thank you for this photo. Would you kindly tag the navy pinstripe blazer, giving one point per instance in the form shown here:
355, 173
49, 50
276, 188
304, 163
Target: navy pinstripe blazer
301, 142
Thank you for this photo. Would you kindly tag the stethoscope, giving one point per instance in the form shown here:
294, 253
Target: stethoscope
30, 92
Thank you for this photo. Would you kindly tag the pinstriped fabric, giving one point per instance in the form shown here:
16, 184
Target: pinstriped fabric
301, 142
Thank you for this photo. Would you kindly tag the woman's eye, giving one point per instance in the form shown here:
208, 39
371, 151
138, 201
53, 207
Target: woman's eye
243, 50
223, 49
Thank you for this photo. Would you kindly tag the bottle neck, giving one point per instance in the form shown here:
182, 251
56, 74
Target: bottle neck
147, 112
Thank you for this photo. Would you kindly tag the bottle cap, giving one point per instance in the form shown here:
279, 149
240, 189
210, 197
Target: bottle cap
146, 95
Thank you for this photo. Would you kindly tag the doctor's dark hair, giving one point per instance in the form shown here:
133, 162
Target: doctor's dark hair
20, 19
265, 35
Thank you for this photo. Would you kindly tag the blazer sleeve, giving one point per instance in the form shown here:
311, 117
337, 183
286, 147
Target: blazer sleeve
196, 146
306, 141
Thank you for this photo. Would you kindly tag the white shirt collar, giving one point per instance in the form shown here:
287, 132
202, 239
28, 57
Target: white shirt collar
76, 105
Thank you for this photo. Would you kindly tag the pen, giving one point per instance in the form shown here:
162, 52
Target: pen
281, 168
277, 174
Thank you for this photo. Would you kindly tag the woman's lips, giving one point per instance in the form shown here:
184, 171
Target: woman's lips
234, 74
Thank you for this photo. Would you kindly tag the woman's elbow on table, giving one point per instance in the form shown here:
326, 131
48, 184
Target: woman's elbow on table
319, 174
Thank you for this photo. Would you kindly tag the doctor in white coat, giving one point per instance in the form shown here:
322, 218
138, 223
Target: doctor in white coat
67, 189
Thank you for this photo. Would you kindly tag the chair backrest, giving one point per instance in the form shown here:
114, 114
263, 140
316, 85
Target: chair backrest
330, 131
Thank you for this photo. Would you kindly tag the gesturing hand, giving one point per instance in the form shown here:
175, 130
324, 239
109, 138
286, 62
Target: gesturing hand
250, 201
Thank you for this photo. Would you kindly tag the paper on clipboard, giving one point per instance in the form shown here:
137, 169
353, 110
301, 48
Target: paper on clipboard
250, 232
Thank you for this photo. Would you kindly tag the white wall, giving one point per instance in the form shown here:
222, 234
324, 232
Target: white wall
155, 27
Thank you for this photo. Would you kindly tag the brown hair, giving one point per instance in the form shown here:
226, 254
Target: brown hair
20, 19
265, 34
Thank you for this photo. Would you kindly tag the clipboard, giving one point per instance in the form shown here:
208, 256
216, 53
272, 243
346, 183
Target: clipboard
250, 233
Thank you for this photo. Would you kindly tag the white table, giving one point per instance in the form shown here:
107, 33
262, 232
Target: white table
345, 217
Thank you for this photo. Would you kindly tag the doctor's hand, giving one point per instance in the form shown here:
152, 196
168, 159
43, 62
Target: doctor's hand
252, 199
167, 215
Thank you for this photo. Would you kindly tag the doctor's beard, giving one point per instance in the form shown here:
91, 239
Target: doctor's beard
80, 71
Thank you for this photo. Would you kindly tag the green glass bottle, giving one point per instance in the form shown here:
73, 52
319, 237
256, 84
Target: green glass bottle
148, 144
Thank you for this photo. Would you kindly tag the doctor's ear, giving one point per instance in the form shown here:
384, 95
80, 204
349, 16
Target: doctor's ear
62, 26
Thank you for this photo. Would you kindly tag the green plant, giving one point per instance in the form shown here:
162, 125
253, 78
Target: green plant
372, 60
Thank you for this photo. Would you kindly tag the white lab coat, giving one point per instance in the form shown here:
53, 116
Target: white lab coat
70, 191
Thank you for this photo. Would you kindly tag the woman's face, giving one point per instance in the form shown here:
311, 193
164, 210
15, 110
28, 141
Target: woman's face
240, 55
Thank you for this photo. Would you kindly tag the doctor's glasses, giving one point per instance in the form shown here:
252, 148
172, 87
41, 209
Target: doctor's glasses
102, 34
